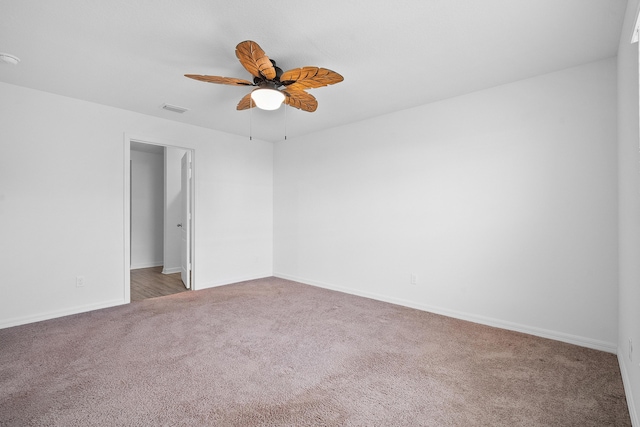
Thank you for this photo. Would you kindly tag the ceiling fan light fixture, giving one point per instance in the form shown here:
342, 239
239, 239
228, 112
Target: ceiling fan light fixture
267, 99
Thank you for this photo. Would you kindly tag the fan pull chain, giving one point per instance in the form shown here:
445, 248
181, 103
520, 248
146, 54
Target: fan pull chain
250, 119
285, 122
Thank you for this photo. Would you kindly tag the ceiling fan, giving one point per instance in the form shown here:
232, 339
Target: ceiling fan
274, 86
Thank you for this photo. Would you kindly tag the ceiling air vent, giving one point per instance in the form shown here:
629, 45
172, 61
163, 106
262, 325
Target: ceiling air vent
174, 108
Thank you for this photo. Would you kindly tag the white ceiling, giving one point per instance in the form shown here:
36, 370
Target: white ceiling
393, 55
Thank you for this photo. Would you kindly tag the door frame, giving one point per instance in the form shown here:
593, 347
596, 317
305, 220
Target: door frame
186, 177
128, 138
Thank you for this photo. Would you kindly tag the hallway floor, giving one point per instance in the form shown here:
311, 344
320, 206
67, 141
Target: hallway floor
151, 283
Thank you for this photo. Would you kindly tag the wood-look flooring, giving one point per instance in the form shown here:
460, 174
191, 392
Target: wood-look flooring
151, 283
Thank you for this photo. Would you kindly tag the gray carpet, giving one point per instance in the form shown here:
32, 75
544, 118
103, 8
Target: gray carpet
272, 352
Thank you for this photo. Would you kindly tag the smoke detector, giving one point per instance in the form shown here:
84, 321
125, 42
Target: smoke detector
9, 59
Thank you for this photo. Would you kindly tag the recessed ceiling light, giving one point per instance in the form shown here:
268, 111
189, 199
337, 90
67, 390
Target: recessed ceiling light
9, 59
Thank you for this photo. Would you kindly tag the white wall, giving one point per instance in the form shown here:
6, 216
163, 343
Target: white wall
147, 209
173, 210
62, 199
502, 202
629, 212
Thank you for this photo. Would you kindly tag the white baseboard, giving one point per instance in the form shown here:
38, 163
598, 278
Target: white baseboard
147, 265
16, 321
232, 280
172, 270
498, 323
633, 414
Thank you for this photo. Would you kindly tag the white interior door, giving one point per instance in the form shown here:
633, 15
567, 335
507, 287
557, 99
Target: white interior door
185, 196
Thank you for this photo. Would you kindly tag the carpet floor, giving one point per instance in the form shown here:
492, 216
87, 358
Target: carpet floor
272, 352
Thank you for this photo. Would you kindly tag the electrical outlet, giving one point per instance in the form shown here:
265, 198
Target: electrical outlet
630, 349
414, 279
79, 281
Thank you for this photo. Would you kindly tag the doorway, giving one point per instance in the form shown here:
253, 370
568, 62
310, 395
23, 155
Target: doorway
151, 282
158, 218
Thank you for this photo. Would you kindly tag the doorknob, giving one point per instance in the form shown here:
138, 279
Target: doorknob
179, 225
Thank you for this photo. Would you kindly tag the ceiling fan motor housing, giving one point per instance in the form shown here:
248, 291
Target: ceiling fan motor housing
258, 80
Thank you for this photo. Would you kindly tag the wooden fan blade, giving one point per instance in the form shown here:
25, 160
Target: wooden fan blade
309, 77
254, 60
220, 80
246, 103
300, 99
